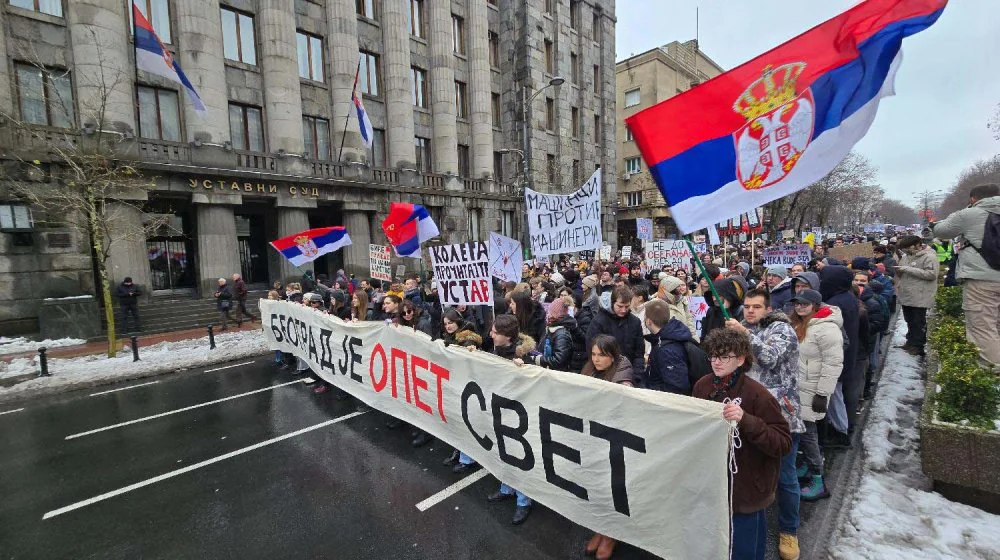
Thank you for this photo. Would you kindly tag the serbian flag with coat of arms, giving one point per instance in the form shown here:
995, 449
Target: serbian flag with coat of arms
311, 244
151, 56
782, 121
407, 226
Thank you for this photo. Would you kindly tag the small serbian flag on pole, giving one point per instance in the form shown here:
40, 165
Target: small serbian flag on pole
364, 124
782, 121
153, 57
311, 244
407, 226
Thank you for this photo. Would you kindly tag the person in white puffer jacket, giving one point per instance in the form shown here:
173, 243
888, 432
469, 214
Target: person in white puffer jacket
821, 358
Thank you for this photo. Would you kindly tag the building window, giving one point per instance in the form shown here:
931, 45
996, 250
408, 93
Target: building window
418, 78
498, 167
575, 121
368, 75
366, 8
473, 224
595, 27
491, 2
494, 50
246, 127
51, 7
507, 223
310, 56
316, 133
633, 198
597, 79
550, 59
576, 172
378, 148
574, 67
550, 160
574, 14
495, 108
632, 97
464, 169
628, 134
632, 165
45, 96
16, 216
597, 129
550, 113
238, 37
423, 153
461, 101
550, 6
156, 11
159, 116
417, 19
458, 34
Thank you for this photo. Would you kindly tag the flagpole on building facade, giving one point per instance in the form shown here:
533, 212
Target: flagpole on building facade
347, 119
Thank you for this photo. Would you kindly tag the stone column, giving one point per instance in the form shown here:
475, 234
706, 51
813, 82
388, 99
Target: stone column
6, 101
480, 113
279, 66
199, 35
292, 220
442, 82
356, 254
217, 245
128, 256
398, 91
342, 52
102, 65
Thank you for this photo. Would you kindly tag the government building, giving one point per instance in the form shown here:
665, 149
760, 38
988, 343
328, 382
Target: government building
470, 100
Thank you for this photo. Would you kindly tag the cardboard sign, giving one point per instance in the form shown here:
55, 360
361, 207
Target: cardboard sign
463, 273
627, 252
675, 253
846, 253
505, 258
400, 270
787, 255
563, 224
699, 309
378, 260
605, 252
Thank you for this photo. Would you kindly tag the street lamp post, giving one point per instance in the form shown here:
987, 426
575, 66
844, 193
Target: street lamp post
525, 104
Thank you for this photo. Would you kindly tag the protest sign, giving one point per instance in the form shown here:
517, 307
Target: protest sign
668, 253
462, 271
788, 234
644, 229
627, 252
713, 236
787, 255
505, 258
400, 270
605, 252
378, 259
699, 309
845, 253
701, 248
563, 224
614, 459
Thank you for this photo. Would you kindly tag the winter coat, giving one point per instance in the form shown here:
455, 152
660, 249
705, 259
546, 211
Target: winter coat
536, 325
765, 437
889, 262
240, 289
619, 372
585, 315
626, 330
731, 289
667, 370
916, 278
679, 304
224, 293
821, 359
888, 288
465, 336
877, 317
525, 347
970, 224
835, 287
128, 295
425, 324
782, 294
776, 364
560, 338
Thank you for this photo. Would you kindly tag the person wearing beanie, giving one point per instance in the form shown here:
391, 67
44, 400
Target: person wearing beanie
861, 264
780, 286
128, 297
558, 279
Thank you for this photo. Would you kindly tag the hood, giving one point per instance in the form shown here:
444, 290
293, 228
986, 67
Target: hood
834, 280
673, 331
991, 205
525, 345
785, 284
671, 283
867, 294
770, 319
468, 337
876, 286
810, 278
567, 322
732, 289
828, 314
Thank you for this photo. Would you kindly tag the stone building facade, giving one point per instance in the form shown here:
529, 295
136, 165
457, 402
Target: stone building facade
642, 81
278, 151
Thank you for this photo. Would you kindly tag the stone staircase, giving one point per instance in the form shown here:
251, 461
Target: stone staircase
179, 313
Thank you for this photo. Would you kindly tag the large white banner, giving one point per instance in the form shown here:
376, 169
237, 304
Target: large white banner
506, 258
674, 253
565, 224
462, 272
644, 467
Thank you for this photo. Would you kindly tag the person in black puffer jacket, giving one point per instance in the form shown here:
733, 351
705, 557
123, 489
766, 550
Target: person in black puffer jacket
835, 286
625, 327
732, 291
530, 315
555, 349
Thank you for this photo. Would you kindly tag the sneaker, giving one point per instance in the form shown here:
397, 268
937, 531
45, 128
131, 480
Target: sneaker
814, 489
788, 547
321, 389
802, 471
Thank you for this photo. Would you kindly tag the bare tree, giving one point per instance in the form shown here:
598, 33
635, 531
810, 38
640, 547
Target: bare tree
994, 123
895, 212
980, 172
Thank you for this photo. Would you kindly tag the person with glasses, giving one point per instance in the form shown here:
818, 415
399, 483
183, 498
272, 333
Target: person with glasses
763, 431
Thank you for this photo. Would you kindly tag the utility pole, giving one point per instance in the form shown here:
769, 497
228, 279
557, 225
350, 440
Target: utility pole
925, 199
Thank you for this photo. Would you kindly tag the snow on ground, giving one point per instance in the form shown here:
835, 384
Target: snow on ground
22, 344
88, 371
895, 514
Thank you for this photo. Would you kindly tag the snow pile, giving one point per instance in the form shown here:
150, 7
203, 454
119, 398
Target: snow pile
21, 344
895, 513
88, 371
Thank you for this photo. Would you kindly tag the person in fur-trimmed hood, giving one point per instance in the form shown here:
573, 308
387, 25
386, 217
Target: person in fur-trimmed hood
457, 331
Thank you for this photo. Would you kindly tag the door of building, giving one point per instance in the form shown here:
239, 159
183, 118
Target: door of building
251, 235
170, 254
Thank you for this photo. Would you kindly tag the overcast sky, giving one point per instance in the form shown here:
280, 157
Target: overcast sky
946, 90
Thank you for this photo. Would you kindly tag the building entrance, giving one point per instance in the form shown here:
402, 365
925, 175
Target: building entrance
170, 251
251, 234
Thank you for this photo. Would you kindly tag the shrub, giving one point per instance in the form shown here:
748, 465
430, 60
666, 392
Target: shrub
949, 301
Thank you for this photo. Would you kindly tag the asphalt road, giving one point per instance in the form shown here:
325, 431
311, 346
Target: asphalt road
246, 462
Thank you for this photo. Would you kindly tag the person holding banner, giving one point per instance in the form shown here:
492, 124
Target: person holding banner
529, 313
456, 331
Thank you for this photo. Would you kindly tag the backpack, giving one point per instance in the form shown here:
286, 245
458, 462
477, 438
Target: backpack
697, 362
990, 251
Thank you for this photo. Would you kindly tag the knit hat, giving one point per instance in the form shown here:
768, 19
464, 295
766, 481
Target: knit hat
590, 281
744, 267
338, 295
718, 262
661, 276
778, 270
808, 296
557, 309
557, 279
860, 263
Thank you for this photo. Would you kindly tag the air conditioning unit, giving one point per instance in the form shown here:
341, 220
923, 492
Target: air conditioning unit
627, 176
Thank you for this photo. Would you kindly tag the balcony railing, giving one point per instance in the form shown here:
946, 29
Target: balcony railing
433, 180
385, 176
254, 160
473, 185
162, 150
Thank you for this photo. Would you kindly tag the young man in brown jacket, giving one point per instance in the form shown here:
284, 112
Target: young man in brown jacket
763, 431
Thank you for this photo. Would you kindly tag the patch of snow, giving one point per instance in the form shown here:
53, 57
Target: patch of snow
895, 514
22, 344
67, 298
87, 371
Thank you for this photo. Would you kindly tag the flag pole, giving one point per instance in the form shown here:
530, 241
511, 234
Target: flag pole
135, 56
704, 274
347, 119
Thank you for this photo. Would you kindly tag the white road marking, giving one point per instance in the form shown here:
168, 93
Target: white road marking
452, 490
11, 411
189, 468
123, 388
185, 409
227, 367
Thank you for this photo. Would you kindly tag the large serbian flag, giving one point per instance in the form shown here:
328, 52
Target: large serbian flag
780, 122
309, 245
407, 226
151, 56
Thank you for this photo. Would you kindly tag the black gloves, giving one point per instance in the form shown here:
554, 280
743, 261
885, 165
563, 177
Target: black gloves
819, 404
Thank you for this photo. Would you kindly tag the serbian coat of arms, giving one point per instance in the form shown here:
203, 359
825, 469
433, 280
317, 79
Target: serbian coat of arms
306, 245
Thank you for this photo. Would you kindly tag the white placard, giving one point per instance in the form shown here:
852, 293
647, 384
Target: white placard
787, 255
563, 224
605, 252
506, 259
699, 309
674, 253
378, 260
400, 270
462, 272
713, 236
627, 252
644, 229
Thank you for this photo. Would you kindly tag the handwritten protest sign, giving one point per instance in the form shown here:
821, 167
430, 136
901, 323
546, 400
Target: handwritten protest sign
378, 258
400, 270
605, 252
505, 258
463, 273
644, 229
846, 253
713, 236
699, 309
675, 253
563, 224
787, 255
627, 252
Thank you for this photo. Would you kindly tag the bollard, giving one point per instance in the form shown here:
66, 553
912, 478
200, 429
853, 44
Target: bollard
135, 348
44, 362
211, 337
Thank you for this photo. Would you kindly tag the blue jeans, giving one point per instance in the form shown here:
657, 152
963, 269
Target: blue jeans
465, 459
277, 356
749, 535
789, 491
522, 500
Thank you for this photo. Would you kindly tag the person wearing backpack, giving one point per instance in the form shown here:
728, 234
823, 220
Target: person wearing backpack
979, 267
668, 368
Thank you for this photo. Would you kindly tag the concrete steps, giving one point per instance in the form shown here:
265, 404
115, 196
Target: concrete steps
173, 314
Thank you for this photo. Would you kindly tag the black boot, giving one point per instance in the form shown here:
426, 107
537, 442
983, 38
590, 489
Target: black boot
451, 459
422, 439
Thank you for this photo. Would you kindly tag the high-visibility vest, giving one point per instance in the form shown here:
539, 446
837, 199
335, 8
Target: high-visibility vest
944, 252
